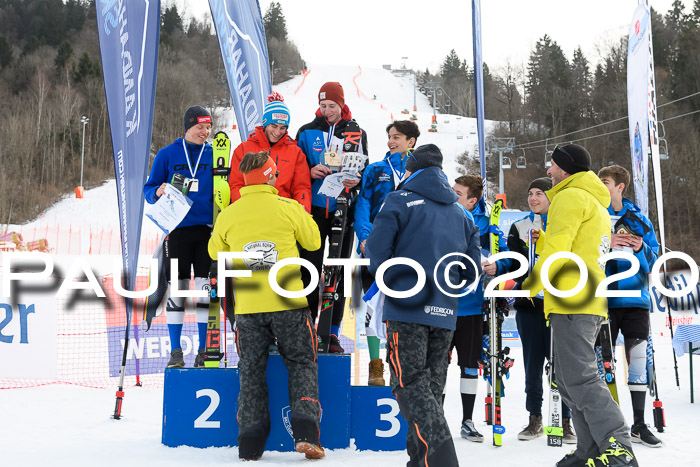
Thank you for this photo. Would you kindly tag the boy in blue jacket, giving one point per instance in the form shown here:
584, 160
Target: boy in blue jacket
380, 179
470, 321
634, 233
192, 157
422, 222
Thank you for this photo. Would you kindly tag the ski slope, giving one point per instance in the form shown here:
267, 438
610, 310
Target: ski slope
61, 425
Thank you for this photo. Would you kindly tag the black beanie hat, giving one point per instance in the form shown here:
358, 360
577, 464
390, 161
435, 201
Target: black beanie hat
196, 114
572, 158
544, 184
425, 156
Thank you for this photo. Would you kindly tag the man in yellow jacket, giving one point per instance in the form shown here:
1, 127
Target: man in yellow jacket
579, 224
269, 226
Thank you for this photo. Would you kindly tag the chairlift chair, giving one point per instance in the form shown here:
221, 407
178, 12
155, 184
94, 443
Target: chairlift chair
506, 163
521, 161
663, 144
547, 155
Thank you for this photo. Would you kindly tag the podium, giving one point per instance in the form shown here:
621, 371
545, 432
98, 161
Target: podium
200, 405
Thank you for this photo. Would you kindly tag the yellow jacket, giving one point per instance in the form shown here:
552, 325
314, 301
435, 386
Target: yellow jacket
263, 222
578, 222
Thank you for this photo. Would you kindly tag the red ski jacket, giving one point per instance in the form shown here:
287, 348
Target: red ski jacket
294, 180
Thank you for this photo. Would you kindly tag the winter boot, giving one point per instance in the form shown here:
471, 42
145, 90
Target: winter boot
641, 433
569, 435
617, 455
199, 359
334, 345
376, 372
532, 430
312, 451
176, 360
571, 460
469, 432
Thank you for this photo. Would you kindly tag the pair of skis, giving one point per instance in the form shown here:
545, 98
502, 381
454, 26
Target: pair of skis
222, 198
339, 225
498, 362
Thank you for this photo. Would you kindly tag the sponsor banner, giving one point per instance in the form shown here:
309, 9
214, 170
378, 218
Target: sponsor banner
28, 333
239, 28
152, 349
637, 103
128, 35
684, 309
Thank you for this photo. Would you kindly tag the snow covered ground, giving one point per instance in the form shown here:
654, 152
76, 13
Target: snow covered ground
70, 425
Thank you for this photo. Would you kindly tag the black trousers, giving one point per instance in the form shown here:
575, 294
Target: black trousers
334, 316
296, 341
418, 356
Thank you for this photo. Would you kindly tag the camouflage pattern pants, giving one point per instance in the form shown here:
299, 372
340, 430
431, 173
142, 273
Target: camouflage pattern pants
297, 342
418, 358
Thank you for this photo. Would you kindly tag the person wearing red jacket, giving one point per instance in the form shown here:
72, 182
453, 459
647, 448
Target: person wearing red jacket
294, 180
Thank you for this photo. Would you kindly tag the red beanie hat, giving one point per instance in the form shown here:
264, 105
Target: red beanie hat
332, 91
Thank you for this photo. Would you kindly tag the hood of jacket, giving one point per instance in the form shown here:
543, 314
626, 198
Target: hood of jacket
431, 183
586, 181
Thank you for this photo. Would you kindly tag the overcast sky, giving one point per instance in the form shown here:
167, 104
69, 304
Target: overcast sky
372, 33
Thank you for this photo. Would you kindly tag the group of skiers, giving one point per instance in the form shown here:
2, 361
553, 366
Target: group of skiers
405, 207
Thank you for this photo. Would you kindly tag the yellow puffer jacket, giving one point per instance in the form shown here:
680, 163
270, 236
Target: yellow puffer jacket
263, 222
578, 222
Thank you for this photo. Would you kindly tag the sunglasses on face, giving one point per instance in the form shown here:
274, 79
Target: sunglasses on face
561, 149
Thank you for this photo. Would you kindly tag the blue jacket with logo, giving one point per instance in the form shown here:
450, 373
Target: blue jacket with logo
172, 159
471, 304
420, 221
314, 139
378, 180
637, 223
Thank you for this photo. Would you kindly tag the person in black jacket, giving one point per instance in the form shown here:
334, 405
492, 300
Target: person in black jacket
421, 221
532, 326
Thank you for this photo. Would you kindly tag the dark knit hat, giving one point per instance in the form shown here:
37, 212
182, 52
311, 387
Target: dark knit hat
544, 184
196, 114
332, 91
572, 158
423, 157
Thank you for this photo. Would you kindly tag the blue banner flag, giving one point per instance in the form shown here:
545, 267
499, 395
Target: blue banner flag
479, 83
239, 28
128, 32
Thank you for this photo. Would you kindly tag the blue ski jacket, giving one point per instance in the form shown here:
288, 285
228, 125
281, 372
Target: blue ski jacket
172, 159
632, 219
378, 180
471, 304
314, 139
420, 221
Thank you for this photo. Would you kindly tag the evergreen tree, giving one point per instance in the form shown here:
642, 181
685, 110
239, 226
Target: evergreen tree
5, 52
171, 25
32, 44
63, 54
580, 90
452, 67
548, 85
275, 23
